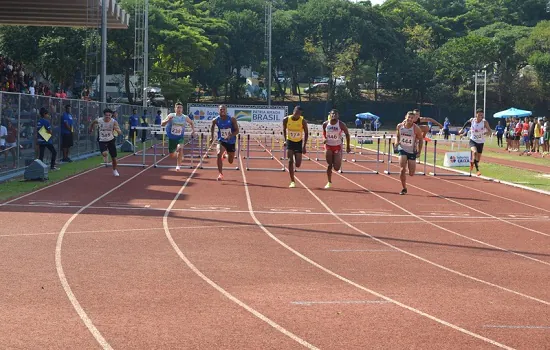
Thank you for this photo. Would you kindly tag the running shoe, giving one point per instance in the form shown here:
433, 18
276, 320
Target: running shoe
292, 184
328, 185
220, 177
403, 191
177, 168
115, 173
478, 173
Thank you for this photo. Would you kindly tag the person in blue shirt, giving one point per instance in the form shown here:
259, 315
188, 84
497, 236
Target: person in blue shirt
134, 120
66, 133
44, 122
358, 123
158, 121
499, 131
228, 129
446, 128
144, 123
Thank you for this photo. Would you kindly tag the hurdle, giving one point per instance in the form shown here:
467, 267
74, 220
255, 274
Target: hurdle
388, 172
247, 146
203, 140
378, 160
248, 168
434, 173
182, 166
142, 164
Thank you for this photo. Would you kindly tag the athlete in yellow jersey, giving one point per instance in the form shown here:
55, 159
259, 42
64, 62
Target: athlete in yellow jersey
295, 133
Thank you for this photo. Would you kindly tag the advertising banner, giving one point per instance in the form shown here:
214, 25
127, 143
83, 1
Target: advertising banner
454, 159
246, 113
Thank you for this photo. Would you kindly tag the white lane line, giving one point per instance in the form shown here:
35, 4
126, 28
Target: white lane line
243, 225
361, 250
464, 205
439, 226
344, 279
516, 327
214, 284
61, 273
309, 303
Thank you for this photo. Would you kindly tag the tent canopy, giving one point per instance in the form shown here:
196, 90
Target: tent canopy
512, 112
367, 116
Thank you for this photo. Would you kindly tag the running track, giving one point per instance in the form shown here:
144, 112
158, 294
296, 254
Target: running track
159, 259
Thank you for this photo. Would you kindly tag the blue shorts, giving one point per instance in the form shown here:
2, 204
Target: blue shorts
410, 156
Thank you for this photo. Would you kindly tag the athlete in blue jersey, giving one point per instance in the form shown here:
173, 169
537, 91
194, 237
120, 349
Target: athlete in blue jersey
228, 129
175, 127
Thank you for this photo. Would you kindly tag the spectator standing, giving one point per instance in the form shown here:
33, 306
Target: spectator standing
446, 128
133, 123
66, 133
45, 141
11, 143
499, 131
158, 121
3, 136
144, 124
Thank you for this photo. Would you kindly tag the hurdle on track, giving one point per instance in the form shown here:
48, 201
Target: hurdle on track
434, 173
248, 147
388, 171
142, 164
248, 157
377, 160
203, 140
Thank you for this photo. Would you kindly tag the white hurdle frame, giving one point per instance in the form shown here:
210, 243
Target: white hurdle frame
434, 173
248, 168
237, 154
423, 173
137, 165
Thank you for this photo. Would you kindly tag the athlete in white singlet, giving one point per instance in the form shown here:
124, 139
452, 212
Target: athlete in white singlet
107, 139
409, 146
175, 130
478, 130
332, 133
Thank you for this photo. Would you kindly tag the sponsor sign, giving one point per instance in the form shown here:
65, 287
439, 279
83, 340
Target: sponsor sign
454, 159
257, 114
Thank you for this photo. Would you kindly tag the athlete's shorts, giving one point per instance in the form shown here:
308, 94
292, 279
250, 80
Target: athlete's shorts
546, 136
478, 146
110, 146
410, 156
293, 146
229, 147
173, 144
333, 149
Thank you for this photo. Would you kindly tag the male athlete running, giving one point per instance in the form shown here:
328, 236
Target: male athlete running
175, 127
228, 129
332, 134
295, 134
409, 146
479, 129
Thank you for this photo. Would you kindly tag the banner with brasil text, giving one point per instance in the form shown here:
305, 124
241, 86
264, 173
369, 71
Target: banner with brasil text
245, 113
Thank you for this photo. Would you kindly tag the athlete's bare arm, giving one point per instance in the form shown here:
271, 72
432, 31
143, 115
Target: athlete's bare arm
212, 128
285, 121
487, 128
306, 135
469, 122
92, 125
419, 137
235, 128
426, 119
166, 120
117, 128
325, 132
190, 122
348, 138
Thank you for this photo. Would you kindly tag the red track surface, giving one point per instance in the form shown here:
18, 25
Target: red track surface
457, 263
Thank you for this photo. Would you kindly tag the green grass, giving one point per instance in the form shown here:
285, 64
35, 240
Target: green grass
496, 171
17, 186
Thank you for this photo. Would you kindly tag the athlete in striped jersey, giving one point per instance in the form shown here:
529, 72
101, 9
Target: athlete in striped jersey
409, 145
295, 133
332, 134
479, 129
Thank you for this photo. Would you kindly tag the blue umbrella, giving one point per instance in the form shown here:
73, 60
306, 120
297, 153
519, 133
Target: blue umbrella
512, 112
367, 116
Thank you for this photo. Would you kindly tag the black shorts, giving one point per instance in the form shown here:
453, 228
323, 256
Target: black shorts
295, 147
110, 146
67, 140
410, 156
229, 147
478, 146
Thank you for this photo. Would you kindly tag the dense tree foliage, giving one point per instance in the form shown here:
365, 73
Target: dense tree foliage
420, 51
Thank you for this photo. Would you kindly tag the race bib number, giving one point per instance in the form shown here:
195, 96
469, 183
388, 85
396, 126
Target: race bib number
407, 141
105, 134
225, 133
332, 136
476, 137
176, 130
295, 134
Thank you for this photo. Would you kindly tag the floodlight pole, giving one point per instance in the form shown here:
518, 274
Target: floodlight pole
269, 16
485, 90
103, 74
475, 92
146, 53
